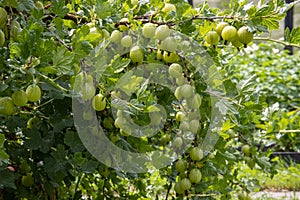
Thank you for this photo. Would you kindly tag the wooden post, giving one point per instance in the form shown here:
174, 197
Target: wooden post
288, 23
190, 2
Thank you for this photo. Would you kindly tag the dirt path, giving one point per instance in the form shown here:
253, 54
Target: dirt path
277, 195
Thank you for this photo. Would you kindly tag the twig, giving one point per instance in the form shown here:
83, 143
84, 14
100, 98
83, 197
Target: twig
60, 40
51, 82
222, 97
277, 41
169, 188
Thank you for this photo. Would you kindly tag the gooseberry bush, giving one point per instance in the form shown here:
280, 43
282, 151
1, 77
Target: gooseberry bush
77, 73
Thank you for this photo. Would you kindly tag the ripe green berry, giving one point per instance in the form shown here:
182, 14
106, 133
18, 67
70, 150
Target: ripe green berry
27, 180
185, 184
220, 27
244, 35
33, 122
195, 175
162, 32
186, 91
212, 38
175, 70
126, 41
33, 93
196, 154
177, 143
105, 33
2, 38
229, 33
99, 102
19, 98
136, 54
178, 188
194, 125
116, 36
196, 101
180, 165
236, 43
179, 116
148, 30
168, 8
169, 44
6, 106
246, 149
170, 57
165, 139
3, 17
119, 122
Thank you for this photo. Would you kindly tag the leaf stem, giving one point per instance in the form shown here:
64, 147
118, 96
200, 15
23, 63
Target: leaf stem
169, 189
77, 184
51, 82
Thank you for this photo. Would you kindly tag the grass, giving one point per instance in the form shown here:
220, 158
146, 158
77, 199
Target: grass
287, 178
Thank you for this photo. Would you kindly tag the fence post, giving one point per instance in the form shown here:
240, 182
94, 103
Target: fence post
190, 2
288, 23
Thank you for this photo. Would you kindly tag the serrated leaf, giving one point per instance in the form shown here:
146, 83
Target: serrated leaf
246, 85
188, 27
60, 154
58, 7
8, 179
73, 141
3, 157
227, 125
293, 36
103, 9
272, 24
62, 61
25, 5
120, 64
225, 106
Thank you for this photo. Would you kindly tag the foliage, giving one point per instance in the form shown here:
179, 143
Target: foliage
49, 44
287, 177
276, 76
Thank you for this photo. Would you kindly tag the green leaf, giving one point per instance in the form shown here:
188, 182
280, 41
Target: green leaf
188, 27
35, 140
103, 9
58, 7
120, 64
73, 141
272, 24
62, 61
60, 154
293, 36
8, 179
3, 155
2, 140
25, 5
225, 106
264, 10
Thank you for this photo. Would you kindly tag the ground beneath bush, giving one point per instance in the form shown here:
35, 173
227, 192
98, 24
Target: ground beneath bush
277, 195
